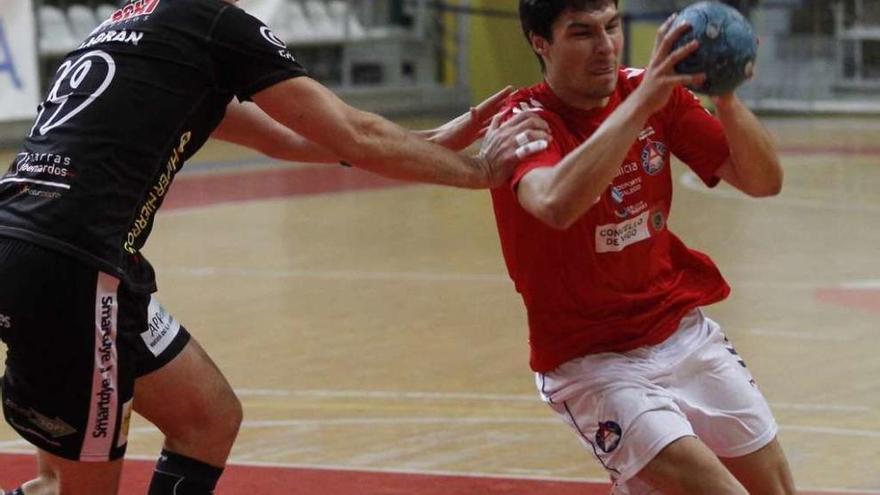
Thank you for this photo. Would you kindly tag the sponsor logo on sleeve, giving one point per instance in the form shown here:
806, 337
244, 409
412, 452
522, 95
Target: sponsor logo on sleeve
615, 237
161, 328
277, 42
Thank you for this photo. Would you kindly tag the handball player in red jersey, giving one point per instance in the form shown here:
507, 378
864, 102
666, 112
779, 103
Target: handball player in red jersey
621, 348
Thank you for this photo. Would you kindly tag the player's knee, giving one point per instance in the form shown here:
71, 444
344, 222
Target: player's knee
232, 417
777, 482
221, 419
218, 419
702, 483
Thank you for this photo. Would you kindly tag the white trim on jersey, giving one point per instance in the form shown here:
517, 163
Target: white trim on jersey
33, 181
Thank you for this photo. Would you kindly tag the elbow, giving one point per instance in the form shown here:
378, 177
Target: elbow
769, 187
769, 190
361, 140
553, 214
764, 190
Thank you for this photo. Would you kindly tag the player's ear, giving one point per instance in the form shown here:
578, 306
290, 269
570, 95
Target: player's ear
540, 44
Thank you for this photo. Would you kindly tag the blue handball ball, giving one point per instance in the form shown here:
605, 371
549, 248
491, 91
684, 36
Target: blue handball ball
728, 46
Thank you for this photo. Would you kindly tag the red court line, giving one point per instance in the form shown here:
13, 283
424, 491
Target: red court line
830, 150
191, 191
246, 480
863, 299
194, 190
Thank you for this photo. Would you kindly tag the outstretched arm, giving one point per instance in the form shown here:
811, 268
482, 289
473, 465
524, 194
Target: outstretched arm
375, 144
246, 124
460, 132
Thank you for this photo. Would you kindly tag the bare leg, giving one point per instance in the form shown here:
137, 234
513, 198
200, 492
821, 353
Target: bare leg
65, 477
191, 402
688, 467
763, 472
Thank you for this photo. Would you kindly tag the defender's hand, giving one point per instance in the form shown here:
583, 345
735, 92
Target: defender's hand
462, 131
508, 143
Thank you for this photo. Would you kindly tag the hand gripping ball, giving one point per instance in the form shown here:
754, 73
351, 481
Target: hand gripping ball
728, 46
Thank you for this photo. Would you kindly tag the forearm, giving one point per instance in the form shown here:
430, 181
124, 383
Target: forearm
246, 125
364, 139
569, 189
387, 149
290, 146
752, 152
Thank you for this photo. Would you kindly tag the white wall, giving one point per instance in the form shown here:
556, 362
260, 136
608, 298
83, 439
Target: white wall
19, 85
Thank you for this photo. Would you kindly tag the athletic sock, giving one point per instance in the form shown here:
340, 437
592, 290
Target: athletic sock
180, 475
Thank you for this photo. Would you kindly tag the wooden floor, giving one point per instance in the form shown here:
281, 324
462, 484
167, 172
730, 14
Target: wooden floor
372, 325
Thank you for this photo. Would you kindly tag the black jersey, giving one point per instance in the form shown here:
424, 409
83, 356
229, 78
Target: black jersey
125, 110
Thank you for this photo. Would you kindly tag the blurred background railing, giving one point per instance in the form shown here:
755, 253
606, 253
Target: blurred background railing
438, 56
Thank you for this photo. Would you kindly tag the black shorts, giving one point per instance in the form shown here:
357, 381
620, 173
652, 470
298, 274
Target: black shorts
76, 341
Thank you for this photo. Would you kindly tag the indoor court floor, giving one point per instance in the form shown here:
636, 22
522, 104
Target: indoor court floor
379, 348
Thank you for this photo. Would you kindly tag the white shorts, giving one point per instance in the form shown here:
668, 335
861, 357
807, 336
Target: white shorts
626, 407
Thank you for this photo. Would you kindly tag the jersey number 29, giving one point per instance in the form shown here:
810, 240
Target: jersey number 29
77, 85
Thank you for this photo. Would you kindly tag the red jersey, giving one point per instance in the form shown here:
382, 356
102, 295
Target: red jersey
616, 279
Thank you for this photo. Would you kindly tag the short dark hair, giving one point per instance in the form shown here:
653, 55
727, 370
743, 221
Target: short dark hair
537, 16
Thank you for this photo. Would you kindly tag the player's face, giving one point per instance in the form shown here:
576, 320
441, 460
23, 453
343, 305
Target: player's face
583, 56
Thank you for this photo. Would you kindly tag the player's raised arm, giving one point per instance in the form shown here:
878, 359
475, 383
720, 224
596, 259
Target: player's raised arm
753, 166
558, 196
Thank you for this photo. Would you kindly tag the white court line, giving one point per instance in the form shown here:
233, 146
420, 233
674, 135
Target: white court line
843, 408
692, 182
861, 284
816, 336
268, 273
843, 432
387, 394
209, 271
459, 421
443, 396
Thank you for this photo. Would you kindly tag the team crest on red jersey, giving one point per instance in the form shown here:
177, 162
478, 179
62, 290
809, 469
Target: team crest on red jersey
608, 436
653, 157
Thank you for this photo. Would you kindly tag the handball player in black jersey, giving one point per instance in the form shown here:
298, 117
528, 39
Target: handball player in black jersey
87, 342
